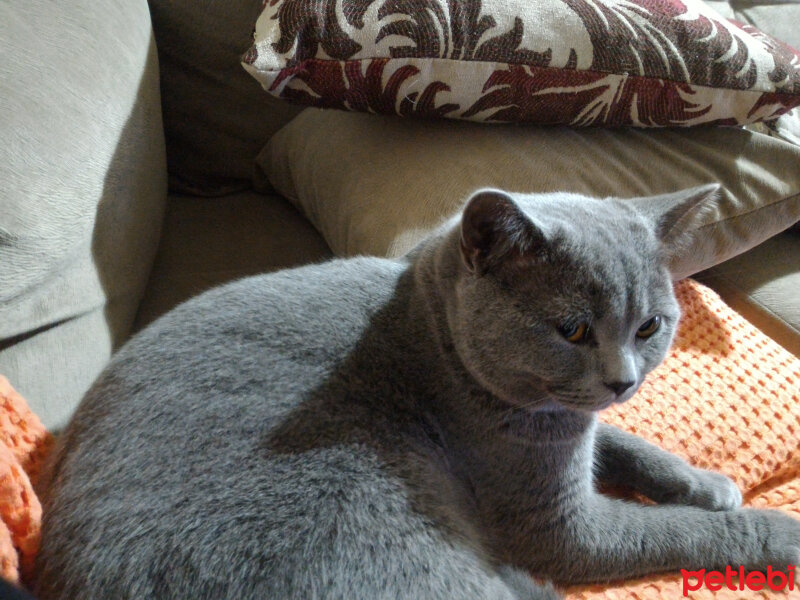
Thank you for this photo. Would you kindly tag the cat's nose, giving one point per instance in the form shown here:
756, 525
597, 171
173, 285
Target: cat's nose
619, 387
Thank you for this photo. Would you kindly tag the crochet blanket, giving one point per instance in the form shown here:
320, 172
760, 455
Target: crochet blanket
24, 442
727, 398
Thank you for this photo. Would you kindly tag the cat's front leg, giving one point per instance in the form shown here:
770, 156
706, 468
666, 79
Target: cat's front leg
607, 539
621, 458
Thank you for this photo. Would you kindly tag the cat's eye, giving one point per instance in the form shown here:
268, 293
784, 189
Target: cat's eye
574, 333
649, 327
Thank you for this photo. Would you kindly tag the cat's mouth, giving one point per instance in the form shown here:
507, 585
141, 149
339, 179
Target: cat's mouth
590, 402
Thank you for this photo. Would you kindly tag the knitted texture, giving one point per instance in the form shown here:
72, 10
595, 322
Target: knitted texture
23, 444
727, 398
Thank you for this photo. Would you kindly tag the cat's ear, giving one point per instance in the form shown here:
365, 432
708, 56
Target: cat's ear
494, 229
677, 216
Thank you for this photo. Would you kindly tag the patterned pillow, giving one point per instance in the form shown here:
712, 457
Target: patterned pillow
647, 63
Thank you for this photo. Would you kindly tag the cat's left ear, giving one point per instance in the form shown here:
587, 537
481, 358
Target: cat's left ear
495, 230
676, 219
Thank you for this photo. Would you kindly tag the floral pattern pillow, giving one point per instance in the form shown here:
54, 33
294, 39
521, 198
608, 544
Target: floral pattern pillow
646, 63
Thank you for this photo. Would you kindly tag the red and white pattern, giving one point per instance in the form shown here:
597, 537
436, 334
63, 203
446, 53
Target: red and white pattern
647, 63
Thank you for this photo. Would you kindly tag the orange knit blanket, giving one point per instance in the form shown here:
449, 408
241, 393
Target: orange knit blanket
727, 398
23, 444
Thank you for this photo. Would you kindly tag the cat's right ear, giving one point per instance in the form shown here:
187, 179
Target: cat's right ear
493, 230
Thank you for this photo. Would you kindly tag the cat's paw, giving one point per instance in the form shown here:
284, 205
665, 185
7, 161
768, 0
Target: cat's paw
524, 587
704, 489
776, 540
713, 491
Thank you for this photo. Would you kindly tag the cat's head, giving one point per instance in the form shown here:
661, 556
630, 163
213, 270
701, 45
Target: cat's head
566, 299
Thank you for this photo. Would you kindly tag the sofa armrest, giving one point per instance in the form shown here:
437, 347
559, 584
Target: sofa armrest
84, 184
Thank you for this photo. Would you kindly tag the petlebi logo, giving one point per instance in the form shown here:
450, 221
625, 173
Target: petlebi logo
777, 580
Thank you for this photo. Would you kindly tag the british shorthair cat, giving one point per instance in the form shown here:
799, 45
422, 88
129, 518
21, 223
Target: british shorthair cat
421, 428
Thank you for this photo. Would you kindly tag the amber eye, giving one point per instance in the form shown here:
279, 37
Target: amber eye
574, 333
649, 327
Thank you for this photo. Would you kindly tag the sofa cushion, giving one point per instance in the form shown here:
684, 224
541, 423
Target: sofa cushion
209, 241
84, 183
776, 17
763, 285
216, 118
647, 63
388, 181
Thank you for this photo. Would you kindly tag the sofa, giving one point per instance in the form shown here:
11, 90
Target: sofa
142, 165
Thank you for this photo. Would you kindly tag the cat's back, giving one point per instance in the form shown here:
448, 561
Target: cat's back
171, 447
269, 338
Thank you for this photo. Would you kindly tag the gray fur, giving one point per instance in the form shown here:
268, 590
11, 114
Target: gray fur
413, 429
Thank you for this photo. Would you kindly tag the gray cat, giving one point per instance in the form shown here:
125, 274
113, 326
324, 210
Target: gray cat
416, 429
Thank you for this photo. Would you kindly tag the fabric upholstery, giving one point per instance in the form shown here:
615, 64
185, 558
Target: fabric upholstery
764, 286
777, 17
210, 241
387, 181
84, 183
216, 118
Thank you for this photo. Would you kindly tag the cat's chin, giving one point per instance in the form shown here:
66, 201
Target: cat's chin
614, 399
607, 404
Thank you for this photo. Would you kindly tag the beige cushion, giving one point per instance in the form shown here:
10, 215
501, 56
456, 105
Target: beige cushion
209, 241
216, 117
763, 284
376, 185
83, 178
778, 18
